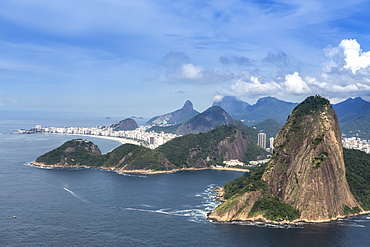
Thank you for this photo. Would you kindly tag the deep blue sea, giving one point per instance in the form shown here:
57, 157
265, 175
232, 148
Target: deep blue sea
88, 207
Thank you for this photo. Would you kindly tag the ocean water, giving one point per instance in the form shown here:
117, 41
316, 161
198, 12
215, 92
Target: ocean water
86, 207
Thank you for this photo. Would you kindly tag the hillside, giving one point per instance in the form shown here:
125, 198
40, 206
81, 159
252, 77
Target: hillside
305, 179
76, 152
189, 151
269, 126
358, 175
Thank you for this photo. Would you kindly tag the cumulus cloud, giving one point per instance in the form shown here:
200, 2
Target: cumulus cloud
354, 57
344, 74
251, 87
296, 85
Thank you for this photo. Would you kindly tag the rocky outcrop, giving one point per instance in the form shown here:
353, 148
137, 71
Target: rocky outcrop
126, 124
236, 208
307, 170
234, 147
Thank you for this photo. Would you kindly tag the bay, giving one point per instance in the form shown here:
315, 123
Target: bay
86, 207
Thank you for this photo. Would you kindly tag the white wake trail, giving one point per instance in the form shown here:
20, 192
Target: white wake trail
78, 197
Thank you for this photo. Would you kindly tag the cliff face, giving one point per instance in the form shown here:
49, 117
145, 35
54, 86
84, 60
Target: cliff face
307, 170
306, 173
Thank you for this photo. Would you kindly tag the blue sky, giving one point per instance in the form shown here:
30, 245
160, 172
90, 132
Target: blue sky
145, 57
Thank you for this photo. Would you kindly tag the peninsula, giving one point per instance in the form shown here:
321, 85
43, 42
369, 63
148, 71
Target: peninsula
193, 151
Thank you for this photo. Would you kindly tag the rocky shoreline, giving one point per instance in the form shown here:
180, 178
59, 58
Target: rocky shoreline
259, 219
136, 171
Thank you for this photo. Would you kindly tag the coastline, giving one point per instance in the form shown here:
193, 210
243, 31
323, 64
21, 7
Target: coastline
118, 139
256, 219
137, 171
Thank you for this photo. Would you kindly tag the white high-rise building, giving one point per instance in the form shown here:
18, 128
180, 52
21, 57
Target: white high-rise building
262, 140
272, 144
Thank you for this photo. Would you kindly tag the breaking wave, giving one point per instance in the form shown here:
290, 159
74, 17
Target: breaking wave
198, 214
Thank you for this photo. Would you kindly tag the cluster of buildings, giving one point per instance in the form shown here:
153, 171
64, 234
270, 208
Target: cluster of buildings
262, 142
356, 143
149, 139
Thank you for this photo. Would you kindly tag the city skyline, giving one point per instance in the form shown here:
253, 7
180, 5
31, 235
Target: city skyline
147, 58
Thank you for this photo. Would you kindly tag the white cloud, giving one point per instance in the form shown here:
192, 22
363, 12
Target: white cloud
191, 71
345, 74
296, 85
252, 87
354, 57
218, 98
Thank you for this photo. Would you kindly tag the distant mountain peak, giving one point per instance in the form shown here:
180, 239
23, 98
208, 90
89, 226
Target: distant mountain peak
188, 104
175, 117
211, 118
231, 104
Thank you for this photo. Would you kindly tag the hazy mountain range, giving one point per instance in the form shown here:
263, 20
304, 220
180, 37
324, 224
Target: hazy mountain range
267, 115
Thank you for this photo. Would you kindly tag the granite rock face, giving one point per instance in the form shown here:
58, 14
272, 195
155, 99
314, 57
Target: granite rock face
126, 124
306, 171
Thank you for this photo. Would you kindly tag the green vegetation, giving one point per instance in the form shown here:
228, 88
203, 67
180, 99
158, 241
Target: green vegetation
316, 161
193, 150
190, 150
249, 131
270, 127
273, 209
310, 105
249, 181
229, 204
347, 210
316, 142
74, 152
254, 152
358, 175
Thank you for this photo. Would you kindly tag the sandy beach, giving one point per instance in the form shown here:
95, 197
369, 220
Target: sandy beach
118, 139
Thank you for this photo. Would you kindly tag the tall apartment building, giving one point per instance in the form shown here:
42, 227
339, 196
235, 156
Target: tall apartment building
262, 140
